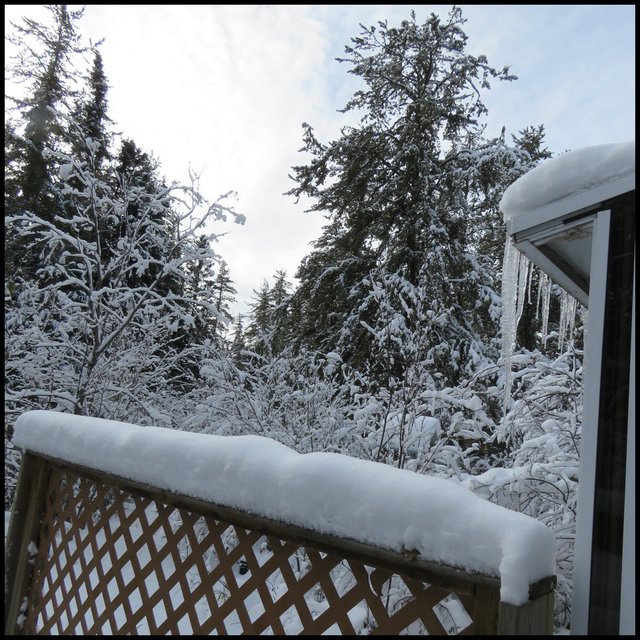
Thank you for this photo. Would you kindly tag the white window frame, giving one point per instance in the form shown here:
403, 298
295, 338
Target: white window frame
590, 412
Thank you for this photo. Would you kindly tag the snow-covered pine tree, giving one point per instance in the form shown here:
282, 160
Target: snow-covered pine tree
238, 343
224, 295
269, 327
399, 190
259, 328
91, 114
404, 281
44, 64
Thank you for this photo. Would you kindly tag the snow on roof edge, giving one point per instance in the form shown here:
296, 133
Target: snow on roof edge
580, 173
329, 493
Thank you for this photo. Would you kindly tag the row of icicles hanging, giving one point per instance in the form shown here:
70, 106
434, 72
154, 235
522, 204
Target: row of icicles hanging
517, 271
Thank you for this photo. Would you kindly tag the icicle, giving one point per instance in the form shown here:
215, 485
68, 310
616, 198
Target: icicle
515, 275
524, 271
568, 307
539, 296
544, 293
530, 282
509, 292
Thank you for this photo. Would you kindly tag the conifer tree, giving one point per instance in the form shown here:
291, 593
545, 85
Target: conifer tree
269, 328
44, 65
91, 112
399, 191
258, 332
238, 343
223, 294
280, 296
137, 175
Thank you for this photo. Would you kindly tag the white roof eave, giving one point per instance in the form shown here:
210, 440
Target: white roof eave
571, 205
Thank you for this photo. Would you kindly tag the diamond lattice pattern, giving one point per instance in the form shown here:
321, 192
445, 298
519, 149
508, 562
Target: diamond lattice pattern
114, 562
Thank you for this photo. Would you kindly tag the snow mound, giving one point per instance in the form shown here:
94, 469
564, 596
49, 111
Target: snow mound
330, 493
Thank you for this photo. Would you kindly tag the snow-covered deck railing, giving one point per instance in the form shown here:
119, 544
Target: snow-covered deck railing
124, 529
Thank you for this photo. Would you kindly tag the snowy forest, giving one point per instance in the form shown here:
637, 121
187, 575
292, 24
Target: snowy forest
389, 345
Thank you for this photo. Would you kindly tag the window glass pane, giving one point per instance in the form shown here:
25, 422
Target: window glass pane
606, 564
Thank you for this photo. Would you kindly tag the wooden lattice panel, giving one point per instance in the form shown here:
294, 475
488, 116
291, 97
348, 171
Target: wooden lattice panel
113, 562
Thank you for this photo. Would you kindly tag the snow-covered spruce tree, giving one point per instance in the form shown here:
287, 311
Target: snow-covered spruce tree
269, 325
260, 318
44, 64
238, 341
90, 112
213, 282
403, 283
135, 180
224, 295
399, 189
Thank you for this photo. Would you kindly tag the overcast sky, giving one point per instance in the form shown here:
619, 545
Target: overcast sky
226, 88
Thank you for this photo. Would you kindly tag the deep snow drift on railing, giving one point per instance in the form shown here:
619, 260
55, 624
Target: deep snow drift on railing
330, 493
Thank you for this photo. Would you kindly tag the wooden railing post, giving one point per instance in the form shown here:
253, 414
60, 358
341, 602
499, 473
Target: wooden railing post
24, 528
486, 607
535, 617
